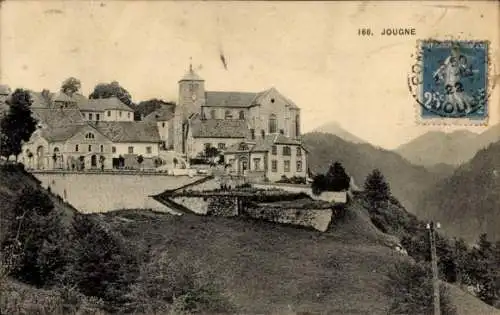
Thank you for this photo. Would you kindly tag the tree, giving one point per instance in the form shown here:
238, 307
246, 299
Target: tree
18, 125
113, 89
377, 189
335, 179
36, 237
483, 272
145, 108
70, 86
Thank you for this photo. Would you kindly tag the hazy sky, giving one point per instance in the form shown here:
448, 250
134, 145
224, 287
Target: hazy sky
309, 51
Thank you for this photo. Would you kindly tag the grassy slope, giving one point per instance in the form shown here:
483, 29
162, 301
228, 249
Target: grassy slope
12, 182
275, 269
264, 267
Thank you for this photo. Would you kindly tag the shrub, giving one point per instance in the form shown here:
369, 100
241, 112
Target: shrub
335, 179
178, 284
101, 264
35, 238
410, 285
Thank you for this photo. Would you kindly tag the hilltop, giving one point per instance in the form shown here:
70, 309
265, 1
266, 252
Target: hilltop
468, 202
334, 128
407, 181
436, 147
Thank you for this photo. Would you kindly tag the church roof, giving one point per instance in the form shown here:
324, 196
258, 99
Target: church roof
219, 128
229, 99
129, 131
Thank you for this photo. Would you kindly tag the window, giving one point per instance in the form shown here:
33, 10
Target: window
221, 146
56, 150
90, 116
89, 135
274, 150
299, 166
148, 150
252, 133
272, 124
274, 165
243, 147
97, 117
213, 114
109, 113
272, 100
207, 146
120, 113
297, 125
282, 131
287, 151
128, 115
256, 164
299, 151
113, 149
130, 150
163, 125
242, 115
228, 115
286, 166
76, 148
90, 148
102, 148
263, 133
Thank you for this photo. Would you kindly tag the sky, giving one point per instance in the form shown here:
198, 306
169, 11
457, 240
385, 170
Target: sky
311, 52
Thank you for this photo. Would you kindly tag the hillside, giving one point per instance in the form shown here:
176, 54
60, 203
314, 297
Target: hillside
454, 148
334, 128
407, 181
468, 202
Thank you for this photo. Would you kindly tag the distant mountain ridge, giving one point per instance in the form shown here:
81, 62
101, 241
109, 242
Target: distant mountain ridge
336, 129
407, 181
454, 148
468, 202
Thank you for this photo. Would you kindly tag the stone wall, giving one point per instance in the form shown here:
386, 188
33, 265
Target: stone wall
196, 204
316, 218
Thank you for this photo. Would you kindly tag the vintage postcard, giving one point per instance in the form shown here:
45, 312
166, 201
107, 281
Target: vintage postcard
239, 157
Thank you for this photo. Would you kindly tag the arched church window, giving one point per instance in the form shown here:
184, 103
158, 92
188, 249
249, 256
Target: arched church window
89, 135
273, 126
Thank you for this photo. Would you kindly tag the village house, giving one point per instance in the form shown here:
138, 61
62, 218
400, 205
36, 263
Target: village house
163, 118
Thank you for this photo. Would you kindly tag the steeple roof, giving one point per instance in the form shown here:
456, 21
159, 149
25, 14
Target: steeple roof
191, 75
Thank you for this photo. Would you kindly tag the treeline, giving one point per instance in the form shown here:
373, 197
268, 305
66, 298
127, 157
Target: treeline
92, 269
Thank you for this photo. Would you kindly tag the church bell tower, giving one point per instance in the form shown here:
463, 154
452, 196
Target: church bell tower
191, 98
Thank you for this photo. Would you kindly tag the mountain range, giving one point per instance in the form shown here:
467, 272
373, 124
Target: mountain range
408, 181
436, 147
468, 202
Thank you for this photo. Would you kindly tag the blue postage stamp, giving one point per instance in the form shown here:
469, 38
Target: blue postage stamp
450, 80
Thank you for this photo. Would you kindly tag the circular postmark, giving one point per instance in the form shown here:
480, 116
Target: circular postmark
450, 78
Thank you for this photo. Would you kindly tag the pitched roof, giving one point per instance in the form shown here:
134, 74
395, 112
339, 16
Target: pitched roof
39, 100
229, 99
4, 89
77, 98
102, 104
219, 128
191, 76
165, 113
264, 144
54, 117
129, 131
61, 133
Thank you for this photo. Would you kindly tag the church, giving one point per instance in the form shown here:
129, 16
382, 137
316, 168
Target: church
257, 132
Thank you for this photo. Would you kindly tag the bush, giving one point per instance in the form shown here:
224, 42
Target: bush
410, 285
179, 285
101, 264
335, 179
35, 239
